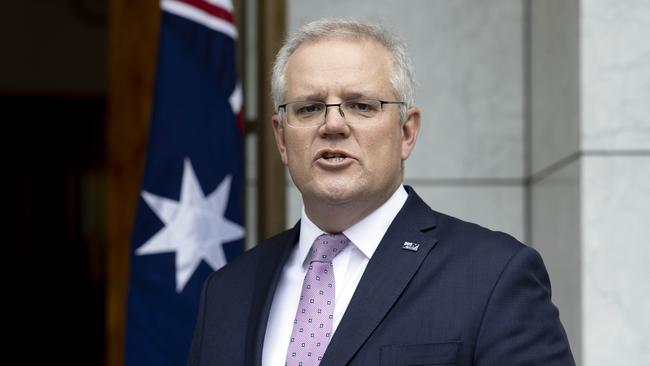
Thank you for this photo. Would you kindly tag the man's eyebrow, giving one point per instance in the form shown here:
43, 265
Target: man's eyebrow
355, 95
320, 96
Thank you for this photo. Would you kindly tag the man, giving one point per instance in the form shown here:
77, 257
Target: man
370, 275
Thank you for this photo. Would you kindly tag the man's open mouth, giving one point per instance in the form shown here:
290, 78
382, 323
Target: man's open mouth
334, 157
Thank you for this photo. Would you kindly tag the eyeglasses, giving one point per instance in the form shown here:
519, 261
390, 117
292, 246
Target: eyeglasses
310, 113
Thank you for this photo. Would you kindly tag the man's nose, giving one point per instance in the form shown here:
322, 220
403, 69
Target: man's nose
338, 106
334, 120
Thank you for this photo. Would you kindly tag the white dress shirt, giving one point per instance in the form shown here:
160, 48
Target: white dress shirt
349, 266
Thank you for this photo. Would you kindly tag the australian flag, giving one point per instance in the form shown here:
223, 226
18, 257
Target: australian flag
189, 217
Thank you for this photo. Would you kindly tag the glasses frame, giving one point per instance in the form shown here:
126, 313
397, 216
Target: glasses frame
328, 105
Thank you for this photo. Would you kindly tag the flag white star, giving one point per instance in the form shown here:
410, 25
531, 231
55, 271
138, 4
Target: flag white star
195, 227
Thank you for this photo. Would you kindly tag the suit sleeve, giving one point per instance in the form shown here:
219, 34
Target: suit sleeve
520, 325
195, 348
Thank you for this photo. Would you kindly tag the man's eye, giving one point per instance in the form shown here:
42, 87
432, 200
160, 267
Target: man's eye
362, 107
309, 109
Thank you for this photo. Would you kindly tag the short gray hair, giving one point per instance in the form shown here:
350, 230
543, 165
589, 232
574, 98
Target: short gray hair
402, 79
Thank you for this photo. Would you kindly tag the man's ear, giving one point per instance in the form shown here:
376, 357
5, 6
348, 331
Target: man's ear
278, 133
410, 131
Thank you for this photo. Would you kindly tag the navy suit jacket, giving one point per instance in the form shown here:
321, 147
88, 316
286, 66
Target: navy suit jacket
467, 296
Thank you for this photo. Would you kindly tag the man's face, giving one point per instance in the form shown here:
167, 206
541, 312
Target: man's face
367, 164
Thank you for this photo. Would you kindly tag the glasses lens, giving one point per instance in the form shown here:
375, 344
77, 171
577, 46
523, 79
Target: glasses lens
311, 113
361, 110
305, 113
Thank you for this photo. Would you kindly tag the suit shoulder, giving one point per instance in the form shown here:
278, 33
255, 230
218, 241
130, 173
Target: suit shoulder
469, 238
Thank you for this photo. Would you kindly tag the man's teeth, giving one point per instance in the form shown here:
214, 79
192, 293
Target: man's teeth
334, 158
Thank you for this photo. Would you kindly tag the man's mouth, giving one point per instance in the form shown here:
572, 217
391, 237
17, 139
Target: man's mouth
334, 157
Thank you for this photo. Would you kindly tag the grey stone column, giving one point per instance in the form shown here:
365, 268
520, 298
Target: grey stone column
469, 159
590, 170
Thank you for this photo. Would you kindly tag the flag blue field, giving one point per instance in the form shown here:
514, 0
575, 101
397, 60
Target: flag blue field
189, 218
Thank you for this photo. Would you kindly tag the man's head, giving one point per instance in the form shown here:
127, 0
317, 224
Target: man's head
401, 77
345, 159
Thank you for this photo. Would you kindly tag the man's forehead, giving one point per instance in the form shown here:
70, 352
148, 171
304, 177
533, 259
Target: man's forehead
349, 67
306, 88
345, 93
330, 43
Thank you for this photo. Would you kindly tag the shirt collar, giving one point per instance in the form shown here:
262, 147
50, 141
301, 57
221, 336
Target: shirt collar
365, 234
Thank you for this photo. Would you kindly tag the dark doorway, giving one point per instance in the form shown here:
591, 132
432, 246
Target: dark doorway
56, 145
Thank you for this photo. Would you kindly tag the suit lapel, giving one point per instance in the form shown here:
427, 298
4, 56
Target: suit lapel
388, 272
276, 253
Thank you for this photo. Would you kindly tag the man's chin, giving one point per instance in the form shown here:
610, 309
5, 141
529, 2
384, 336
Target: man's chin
335, 194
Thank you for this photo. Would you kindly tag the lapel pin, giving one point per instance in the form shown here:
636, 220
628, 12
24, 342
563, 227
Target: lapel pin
411, 246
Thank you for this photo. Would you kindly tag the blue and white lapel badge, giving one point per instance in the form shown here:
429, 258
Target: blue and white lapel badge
411, 246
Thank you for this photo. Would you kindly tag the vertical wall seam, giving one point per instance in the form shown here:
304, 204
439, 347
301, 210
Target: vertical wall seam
527, 116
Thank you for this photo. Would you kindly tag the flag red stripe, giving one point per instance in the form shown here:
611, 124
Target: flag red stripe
213, 10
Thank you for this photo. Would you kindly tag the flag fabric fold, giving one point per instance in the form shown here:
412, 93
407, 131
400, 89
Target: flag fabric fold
189, 219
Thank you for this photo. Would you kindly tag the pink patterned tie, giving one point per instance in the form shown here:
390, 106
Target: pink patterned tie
312, 326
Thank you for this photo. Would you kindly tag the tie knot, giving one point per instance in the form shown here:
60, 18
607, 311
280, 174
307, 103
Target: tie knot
328, 246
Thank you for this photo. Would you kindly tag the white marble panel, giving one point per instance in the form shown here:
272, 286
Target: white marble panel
495, 207
555, 81
615, 74
555, 233
616, 260
294, 205
468, 58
